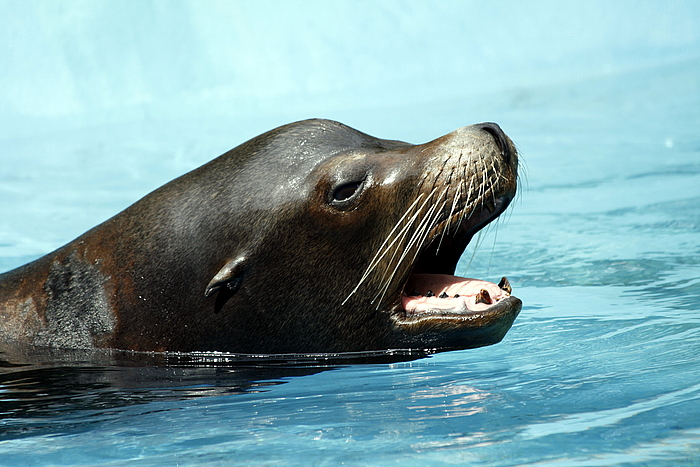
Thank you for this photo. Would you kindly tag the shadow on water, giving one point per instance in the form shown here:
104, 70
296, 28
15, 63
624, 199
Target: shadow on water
40, 387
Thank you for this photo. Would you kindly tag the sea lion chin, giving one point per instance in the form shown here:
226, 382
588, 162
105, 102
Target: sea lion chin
312, 237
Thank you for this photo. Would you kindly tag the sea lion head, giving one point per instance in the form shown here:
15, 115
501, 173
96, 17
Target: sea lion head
320, 238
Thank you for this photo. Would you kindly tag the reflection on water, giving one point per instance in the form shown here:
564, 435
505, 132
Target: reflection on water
456, 400
77, 387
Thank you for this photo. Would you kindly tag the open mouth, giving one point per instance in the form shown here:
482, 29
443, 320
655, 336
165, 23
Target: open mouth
441, 309
433, 289
442, 294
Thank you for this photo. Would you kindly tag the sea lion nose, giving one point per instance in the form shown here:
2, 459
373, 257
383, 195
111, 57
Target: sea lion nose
501, 140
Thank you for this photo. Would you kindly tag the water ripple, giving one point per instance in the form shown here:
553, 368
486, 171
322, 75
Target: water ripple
586, 421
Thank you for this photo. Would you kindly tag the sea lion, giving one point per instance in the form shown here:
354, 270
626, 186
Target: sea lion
312, 237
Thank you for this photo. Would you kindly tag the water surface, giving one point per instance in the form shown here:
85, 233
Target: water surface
602, 246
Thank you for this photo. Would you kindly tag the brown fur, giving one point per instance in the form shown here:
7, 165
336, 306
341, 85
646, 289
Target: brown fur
294, 255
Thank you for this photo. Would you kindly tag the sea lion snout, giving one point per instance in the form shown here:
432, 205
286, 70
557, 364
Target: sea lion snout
502, 140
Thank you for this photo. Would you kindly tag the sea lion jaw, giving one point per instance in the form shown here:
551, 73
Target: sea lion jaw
458, 313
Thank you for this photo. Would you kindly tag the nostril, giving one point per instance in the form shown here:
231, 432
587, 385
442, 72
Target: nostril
494, 130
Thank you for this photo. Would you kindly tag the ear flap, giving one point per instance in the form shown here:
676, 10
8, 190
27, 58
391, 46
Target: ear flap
229, 278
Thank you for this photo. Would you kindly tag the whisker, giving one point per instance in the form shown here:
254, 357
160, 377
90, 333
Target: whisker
449, 216
493, 247
476, 247
383, 249
418, 238
466, 204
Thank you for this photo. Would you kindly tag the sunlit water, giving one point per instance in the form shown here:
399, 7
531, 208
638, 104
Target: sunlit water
602, 367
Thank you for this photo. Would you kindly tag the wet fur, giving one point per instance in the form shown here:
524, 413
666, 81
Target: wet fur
311, 278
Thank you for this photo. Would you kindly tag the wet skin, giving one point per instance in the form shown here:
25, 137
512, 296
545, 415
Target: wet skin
311, 237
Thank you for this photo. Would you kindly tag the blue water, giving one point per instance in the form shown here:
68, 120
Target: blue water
602, 367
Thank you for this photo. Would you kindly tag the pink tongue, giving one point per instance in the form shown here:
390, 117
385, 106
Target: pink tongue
469, 291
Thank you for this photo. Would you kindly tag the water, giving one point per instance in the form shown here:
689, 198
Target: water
602, 246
